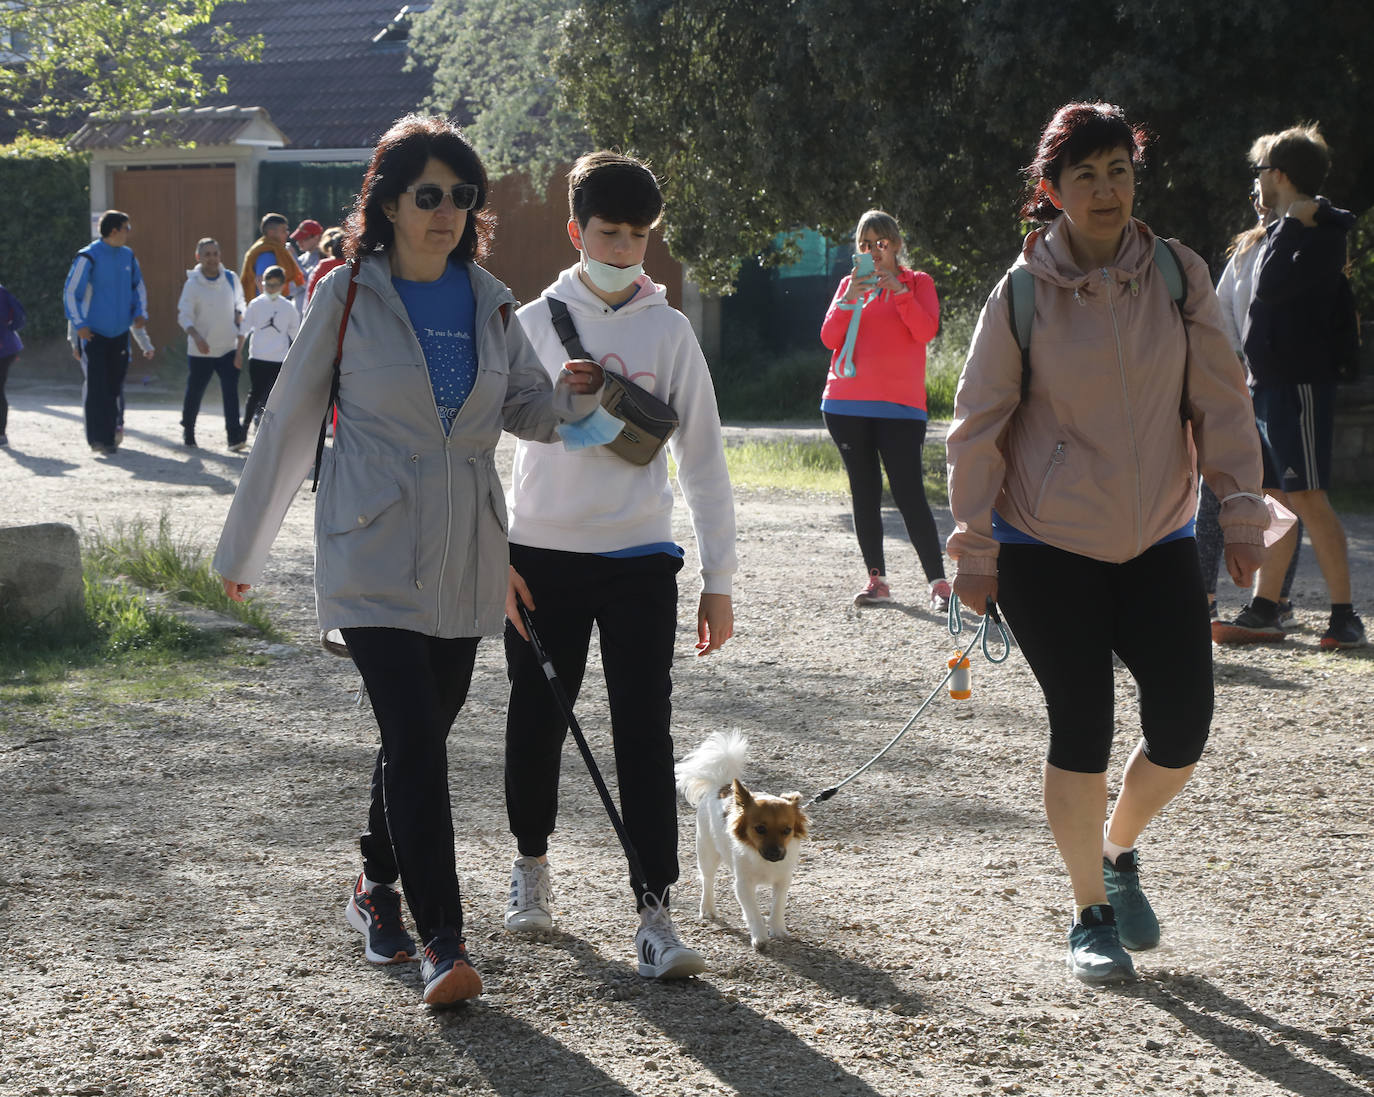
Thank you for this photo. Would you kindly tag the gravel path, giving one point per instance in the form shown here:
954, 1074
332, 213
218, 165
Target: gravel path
175, 871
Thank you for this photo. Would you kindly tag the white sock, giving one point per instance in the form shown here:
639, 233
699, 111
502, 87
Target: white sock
1110, 849
368, 885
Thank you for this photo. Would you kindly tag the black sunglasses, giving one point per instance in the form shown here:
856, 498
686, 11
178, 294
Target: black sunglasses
429, 196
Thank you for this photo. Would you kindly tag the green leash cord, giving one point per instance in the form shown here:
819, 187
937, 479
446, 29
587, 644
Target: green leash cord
956, 626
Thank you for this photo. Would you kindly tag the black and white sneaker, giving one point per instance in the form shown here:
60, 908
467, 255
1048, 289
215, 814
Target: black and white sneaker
527, 909
662, 955
376, 914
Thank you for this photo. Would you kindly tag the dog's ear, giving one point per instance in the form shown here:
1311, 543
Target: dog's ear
742, 797
802, 822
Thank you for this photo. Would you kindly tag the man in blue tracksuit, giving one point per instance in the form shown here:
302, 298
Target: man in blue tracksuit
104, 295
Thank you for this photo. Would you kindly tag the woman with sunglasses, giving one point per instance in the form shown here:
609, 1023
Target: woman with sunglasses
874, 402
411, 559
1073, 504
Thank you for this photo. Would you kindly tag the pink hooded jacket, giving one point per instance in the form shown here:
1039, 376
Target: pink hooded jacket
1098, 461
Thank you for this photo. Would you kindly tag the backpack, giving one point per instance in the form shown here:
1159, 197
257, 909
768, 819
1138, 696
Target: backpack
1345, 334
1021, 304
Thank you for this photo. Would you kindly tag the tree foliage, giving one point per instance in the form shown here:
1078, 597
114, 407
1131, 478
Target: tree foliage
491, 63
47, 192
807, 112
68, 58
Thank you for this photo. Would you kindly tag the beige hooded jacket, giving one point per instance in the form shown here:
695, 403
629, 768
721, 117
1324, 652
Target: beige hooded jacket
1098, 461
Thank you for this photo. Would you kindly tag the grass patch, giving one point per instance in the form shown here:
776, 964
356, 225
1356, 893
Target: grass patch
120, 648
815, 467
158, 560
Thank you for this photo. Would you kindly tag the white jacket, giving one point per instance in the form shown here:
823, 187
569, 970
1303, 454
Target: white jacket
590, 500
213, 308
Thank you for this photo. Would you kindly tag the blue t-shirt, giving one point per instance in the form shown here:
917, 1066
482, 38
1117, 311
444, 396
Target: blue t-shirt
444, 316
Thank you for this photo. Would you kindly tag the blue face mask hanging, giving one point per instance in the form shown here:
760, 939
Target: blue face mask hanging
596, 429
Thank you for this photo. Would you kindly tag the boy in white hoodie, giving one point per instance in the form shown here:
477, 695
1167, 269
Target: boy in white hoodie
208, 311
273, 323
591, 543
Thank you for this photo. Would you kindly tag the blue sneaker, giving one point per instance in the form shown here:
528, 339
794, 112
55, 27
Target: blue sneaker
1095, 952
376, 914
446, 972
1136, 923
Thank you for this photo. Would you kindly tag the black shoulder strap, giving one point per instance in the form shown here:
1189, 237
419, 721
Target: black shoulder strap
566, 330
334, 381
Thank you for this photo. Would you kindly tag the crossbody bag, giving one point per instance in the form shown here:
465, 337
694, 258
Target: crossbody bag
648, 421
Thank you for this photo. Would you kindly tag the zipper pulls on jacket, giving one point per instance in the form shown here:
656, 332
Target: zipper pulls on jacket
1078, 296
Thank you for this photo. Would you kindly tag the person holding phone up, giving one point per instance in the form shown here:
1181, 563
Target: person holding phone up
874, 403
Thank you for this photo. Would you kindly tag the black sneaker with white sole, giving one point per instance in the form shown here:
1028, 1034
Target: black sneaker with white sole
376, 914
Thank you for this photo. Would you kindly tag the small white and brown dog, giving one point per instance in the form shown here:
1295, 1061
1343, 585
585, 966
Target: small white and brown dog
757, 835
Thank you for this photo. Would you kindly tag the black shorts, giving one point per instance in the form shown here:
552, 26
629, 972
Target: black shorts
1296, 425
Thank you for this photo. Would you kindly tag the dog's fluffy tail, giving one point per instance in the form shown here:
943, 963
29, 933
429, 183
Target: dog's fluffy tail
714, 764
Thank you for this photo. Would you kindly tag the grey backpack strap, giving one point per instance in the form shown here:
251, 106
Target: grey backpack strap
1021, 313
1166, 259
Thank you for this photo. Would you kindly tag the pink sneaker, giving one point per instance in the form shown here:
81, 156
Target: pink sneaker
939, 596
875, 593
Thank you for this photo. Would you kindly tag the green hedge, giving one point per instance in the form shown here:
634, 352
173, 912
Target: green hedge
47, 220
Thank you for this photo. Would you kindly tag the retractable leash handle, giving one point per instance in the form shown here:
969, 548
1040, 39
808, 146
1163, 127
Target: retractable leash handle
560, 695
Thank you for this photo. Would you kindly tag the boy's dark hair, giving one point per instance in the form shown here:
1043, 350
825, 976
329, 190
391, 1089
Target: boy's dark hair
1300, 152
274, 272
269, 219
614, 187
112, 220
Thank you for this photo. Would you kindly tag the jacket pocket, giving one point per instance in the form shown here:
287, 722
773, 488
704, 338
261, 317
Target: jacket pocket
358, 513
366, 538
1055, 461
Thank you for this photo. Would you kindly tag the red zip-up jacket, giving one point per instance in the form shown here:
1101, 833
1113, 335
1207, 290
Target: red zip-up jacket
890, 352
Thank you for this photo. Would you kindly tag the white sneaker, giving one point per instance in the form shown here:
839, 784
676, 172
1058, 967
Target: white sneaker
527, 909
662, 955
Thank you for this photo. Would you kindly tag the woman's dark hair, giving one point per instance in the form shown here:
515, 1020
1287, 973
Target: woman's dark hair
399, 159
1077, 131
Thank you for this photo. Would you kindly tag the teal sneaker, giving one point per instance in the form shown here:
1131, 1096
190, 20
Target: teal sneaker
1095, 952
1136, 923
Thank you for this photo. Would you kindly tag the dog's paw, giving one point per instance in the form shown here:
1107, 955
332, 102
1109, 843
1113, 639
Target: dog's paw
708, 912
778, 932
758, 942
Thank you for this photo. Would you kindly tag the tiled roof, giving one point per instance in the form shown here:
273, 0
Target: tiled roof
324, 81
201, 126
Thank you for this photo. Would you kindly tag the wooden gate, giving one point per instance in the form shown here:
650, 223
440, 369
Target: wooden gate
172, 208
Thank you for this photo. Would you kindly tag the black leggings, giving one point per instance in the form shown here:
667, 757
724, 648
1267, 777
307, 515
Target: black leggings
1070, 613
5, 363
863, 440
417, 684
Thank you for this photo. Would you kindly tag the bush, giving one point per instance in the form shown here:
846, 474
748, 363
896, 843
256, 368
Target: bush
47, 221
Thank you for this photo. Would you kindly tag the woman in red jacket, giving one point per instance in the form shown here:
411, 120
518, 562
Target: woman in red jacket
879, 411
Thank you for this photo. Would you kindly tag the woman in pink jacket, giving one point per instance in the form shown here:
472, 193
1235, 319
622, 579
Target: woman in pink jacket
1073, 504
877, 409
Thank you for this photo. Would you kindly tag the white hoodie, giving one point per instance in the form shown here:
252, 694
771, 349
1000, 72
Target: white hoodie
590, 500
212, 307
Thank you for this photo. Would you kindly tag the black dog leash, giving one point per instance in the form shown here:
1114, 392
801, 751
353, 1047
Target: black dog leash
561, 696
956, 665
